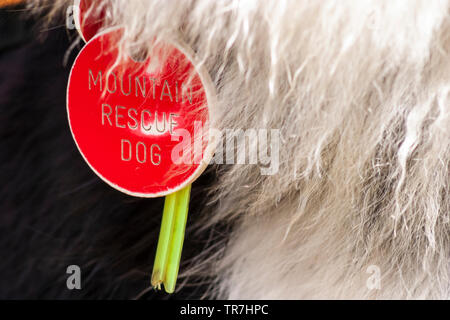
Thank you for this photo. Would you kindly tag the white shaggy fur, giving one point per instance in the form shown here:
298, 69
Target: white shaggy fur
361, 92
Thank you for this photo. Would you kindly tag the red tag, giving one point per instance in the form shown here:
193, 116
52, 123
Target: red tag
143, 127
87, 28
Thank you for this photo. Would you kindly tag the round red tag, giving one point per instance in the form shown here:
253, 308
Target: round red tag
143, 127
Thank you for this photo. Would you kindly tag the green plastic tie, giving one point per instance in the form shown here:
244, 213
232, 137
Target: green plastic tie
171, 238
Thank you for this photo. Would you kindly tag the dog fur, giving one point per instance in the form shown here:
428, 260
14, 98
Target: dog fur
361, 93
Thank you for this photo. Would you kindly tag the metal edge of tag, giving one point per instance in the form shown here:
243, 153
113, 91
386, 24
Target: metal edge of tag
77, 18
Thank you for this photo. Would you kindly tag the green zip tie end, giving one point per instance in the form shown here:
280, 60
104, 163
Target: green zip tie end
171, 238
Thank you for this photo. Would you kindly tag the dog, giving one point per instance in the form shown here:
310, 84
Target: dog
360, 91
